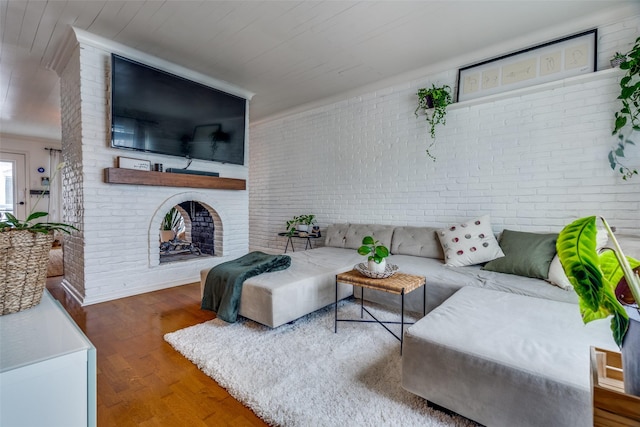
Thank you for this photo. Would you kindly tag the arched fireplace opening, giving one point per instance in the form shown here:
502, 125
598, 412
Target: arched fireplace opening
196, 235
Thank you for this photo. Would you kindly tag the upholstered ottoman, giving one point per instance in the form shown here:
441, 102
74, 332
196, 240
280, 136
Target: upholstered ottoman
276, 298
504, 359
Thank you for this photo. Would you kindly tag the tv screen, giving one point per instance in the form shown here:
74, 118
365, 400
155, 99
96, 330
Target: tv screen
158, 112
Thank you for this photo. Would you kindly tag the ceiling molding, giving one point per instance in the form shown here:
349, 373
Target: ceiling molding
64, 52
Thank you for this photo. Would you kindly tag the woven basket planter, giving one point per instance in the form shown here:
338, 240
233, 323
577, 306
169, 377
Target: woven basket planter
24, 257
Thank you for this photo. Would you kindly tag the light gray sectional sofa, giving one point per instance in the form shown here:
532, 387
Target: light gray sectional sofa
501, 349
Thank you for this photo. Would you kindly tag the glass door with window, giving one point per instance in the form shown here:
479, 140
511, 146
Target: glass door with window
12, 185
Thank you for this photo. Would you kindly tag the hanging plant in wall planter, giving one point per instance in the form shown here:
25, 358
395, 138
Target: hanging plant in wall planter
629, 114
617, 59
433, 102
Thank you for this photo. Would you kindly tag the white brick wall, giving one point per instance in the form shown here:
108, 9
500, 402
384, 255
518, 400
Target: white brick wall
533, 159
116, 252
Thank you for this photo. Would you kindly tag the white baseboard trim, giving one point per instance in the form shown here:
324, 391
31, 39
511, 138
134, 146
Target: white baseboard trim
84, 300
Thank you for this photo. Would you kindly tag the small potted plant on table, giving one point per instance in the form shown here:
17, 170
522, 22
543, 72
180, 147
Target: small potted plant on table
305, 222
376, 253
300, 224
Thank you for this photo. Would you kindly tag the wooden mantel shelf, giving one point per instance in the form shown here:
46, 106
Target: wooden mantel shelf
165, 179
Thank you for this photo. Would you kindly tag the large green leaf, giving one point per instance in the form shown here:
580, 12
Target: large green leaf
382, 251
364, 250
589, 315
593, 277
12, 219
576, 247
620, 319
36, 215
368, 240
611, 269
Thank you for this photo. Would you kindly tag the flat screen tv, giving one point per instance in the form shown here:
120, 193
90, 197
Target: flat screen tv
158, 112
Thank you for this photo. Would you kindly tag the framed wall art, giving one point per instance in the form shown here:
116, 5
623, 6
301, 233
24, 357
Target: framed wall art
557, 59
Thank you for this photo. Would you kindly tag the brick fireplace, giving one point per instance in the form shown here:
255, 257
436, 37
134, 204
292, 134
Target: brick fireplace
199, 232
115, 253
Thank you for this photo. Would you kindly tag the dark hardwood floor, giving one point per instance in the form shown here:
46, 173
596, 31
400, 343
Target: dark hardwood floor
142, 380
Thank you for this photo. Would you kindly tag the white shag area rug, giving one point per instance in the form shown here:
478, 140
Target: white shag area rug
303, 374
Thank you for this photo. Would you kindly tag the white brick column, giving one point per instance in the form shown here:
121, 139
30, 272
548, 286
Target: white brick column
116, 251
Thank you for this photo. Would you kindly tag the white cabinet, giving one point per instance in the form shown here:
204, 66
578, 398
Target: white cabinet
47, 369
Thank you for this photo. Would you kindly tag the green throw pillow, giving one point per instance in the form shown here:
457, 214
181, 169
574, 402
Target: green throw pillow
525, 254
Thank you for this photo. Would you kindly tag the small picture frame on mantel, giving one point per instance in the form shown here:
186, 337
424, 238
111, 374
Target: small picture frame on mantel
137, 164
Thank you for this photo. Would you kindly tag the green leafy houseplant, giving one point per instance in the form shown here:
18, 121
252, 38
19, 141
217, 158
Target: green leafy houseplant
13, 223
25, 257
433, 102
629, 114
291, 225
617, 59
171, 220
170, 226
594, 277
615, 155
373, 249
308, 220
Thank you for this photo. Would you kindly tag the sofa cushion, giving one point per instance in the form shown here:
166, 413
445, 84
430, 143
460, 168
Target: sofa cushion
526, 254
336, 235
356, 232
469, 243
416, 241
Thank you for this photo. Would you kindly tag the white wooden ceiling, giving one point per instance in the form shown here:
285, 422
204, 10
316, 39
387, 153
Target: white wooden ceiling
290, 53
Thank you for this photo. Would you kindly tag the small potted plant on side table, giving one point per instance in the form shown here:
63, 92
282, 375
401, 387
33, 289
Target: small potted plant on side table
376, 252
305, 222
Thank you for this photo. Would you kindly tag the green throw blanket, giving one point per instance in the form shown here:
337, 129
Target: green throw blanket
223, 286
